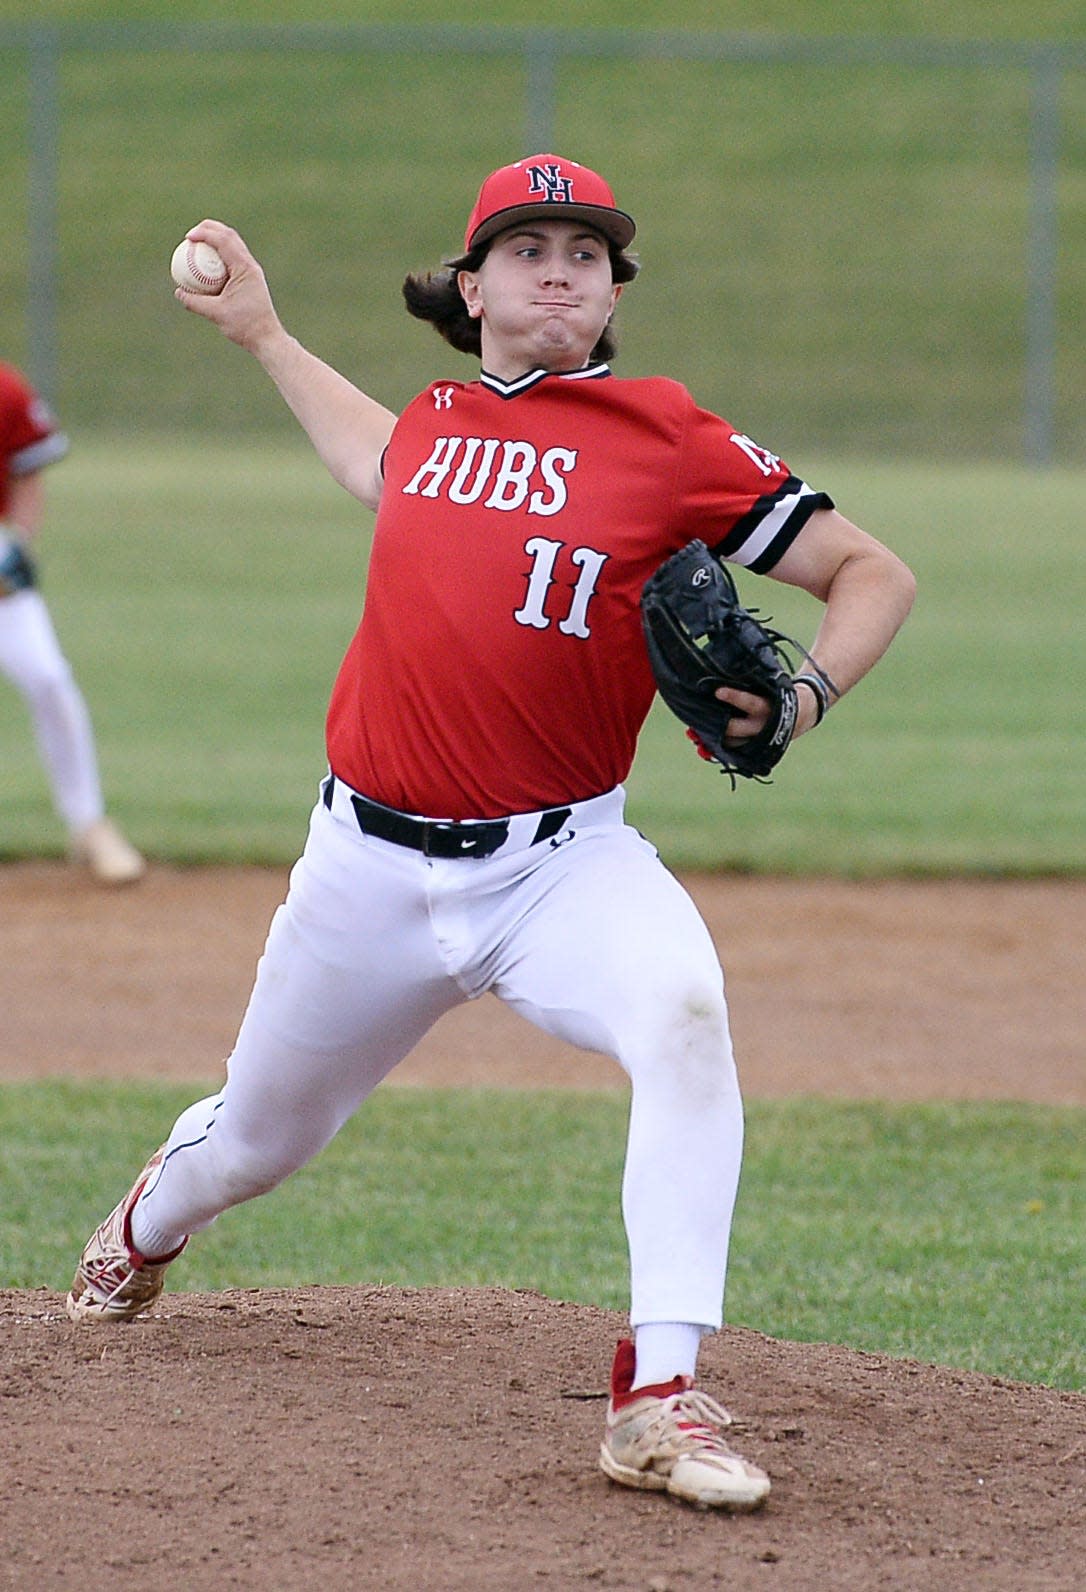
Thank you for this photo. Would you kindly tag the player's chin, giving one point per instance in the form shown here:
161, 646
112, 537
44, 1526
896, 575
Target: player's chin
560, 347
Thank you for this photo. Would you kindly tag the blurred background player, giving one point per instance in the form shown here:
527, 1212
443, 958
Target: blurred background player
30, 654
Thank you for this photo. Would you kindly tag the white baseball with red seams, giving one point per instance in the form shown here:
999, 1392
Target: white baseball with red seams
198, 267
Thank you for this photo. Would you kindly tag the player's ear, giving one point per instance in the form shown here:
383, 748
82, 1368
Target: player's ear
470, 292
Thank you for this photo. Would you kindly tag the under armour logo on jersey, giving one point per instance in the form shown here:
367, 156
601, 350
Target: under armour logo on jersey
547, 180
443, 397
563, 839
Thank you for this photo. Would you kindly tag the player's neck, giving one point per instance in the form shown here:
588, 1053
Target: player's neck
510, 361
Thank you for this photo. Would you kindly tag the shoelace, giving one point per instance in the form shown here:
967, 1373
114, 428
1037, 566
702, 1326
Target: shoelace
111, 1280
700, 1419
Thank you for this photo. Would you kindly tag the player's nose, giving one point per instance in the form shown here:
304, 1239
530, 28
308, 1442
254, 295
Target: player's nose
555, 271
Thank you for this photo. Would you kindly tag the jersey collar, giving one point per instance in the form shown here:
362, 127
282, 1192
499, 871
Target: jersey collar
513, 389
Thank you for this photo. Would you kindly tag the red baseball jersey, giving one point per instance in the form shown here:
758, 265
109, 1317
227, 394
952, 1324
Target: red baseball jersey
500, 665
29, 437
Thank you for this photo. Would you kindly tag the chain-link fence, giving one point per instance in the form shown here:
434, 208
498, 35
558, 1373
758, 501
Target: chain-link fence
864, 246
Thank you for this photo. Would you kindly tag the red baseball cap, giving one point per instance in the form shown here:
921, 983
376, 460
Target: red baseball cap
547, 187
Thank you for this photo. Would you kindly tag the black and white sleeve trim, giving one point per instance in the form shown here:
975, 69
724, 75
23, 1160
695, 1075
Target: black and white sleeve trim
767, 531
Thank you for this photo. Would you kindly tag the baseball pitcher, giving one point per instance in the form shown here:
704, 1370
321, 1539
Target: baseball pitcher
469, 835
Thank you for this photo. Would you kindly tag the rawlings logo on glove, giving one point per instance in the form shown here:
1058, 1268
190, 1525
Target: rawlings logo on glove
17, 571
699, 638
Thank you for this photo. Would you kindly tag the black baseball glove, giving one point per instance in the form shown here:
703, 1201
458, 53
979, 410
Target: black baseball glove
17, 568
700, 637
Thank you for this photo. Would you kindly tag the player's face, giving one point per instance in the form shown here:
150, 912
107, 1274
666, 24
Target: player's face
543, 296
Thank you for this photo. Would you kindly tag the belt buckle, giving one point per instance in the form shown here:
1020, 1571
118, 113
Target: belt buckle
429, 829
435, 830
462, 840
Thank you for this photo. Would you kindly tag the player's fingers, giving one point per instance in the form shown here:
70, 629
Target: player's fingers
750, 715
226, 239
198, 303
748, 703
231, 248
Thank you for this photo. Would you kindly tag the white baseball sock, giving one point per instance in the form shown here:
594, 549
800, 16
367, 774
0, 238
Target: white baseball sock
666, 1349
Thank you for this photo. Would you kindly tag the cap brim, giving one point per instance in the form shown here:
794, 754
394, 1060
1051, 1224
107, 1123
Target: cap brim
614, 224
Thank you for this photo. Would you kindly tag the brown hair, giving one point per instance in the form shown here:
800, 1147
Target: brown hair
435, 296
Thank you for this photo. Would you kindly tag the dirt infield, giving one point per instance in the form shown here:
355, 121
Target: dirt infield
895, 990
370, 1437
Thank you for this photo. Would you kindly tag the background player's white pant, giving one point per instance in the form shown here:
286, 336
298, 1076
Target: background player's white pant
590, 937
31, 658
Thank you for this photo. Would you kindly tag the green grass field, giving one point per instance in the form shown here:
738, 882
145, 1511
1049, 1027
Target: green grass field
987, 19
205, 592
914, 1231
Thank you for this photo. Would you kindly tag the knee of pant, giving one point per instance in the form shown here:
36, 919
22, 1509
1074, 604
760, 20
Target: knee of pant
691, 1044
48, 686
698, 1014
704, 1049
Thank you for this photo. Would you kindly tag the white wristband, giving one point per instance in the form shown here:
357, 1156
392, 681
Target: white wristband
819, 690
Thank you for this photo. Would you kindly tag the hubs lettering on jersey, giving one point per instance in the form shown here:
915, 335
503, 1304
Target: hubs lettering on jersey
496, 473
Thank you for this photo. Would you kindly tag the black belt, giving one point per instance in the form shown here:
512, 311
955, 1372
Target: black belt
436, 837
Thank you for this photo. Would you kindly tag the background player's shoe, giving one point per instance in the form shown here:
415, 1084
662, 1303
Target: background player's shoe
667, 1439
110, 857
113, 1281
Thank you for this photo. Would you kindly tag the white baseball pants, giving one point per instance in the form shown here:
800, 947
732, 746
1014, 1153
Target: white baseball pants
587, 935
31, 658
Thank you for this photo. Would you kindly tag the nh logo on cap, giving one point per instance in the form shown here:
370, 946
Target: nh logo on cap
548, 181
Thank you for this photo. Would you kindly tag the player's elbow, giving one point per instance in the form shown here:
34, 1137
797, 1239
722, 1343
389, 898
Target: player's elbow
899, 582
896, 572
880, 580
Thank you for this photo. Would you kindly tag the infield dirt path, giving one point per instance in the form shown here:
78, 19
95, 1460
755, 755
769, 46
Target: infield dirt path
882, 989
439, 1440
